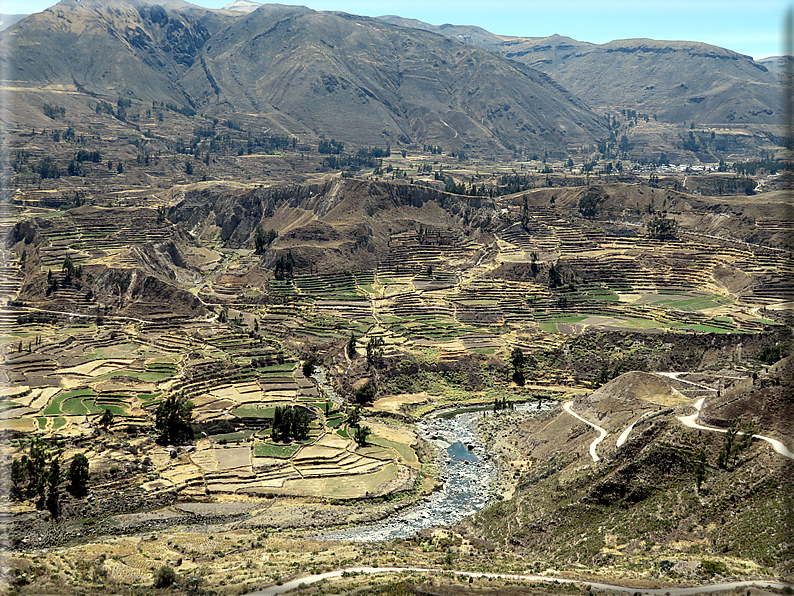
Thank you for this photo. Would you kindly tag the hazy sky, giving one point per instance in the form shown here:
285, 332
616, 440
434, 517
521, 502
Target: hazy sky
748, 26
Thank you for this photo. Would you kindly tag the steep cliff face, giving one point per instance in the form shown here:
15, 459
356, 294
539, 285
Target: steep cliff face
336, 224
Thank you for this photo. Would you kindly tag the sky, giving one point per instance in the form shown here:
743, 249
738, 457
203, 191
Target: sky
752, 27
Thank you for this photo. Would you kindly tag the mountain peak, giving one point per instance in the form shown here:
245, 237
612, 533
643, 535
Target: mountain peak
242, 6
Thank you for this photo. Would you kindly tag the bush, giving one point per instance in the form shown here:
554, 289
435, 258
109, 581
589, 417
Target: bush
714, 567
164, 577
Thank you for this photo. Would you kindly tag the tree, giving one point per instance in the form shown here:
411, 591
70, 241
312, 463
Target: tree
366, 393
17, 478
36, 463
361, 435
700, 467
354, 418
107, 419
517, 360
351, 346
525, 213
309, 364
78, 474
374, 350
172, 419
53, 497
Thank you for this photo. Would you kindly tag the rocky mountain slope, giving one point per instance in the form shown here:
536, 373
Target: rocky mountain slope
678, 81
662, 496
403, 85
122, 49
309, 71
6, 20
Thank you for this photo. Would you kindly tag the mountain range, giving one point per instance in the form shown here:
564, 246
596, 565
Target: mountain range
406, 82
679, 81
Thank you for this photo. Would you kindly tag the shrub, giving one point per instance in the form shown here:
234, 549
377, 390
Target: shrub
164, 577
714, 567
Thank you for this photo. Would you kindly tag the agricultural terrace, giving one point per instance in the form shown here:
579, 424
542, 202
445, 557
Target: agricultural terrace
99, 331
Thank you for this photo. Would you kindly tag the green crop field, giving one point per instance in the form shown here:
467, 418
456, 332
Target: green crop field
254, 412
236, 437
55, 407
405, 451
278, 451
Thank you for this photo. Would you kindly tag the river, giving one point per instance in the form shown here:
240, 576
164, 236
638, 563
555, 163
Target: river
466, 471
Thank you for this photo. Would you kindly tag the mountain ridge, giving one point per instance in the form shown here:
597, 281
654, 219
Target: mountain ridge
672, 79
309, 70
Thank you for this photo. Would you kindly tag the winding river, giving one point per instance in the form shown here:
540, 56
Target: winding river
468, 476
467, 473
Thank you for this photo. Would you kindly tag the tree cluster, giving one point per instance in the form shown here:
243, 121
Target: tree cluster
502, 404
371, 152
662, 228
172, 419
47, 168
284, 266
263, 240
555, 276
770, 354
332, 147
375, 350
361, 433
588, 204
54, 111
289, 423
37, 476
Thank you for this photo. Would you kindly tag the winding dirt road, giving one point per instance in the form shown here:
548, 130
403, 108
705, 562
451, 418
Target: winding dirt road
311, 579
690, 421
625, 434
602, 433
